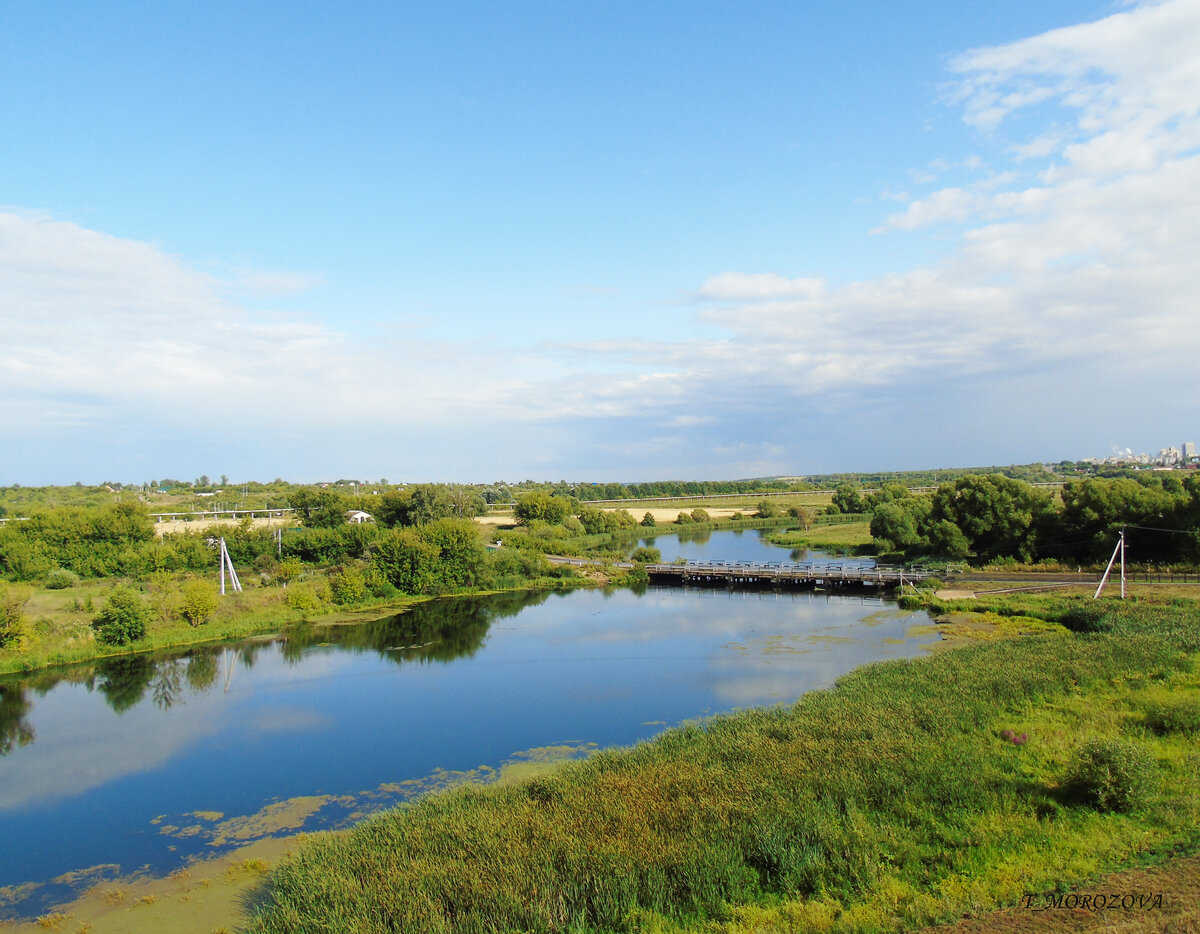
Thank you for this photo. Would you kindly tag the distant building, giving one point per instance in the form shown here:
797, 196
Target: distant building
357, 516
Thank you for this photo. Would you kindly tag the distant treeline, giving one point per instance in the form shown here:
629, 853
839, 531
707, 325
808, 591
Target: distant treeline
993, 517
423, 542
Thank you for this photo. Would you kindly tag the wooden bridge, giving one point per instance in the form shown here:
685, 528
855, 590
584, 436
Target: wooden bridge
803, 576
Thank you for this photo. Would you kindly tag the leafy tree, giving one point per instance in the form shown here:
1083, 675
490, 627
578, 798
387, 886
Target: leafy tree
649, 521
996, 515
542, 507
767, 509
847, 498
406, 559
199, 601
319, 509
803, 515
123, 617
12, 614
894, 528
348, 585
701, 515
646, 555
1094, 511
460, 551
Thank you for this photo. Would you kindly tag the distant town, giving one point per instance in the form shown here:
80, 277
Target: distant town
1168, 458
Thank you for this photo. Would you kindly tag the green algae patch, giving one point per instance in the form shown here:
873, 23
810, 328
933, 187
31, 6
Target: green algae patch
966, 627
277, 818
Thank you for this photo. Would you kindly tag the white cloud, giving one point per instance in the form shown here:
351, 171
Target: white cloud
749, 286
1091, 267
95, 324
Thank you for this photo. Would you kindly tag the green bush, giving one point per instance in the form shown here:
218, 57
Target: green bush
701, 515
122, 619
646, 555
1178, 715
199, 601
12, 618
61, 579
1109, 774
649, 521
348, 585
307, 596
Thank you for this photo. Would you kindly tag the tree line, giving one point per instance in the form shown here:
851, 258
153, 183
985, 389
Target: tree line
994, 517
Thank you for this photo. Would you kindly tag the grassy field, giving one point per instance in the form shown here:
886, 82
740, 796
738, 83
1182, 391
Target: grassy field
914, 792
847, 535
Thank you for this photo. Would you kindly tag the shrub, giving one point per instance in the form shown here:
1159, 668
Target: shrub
1109, 774
684, 518
61, 579
348, 585
122, 619
1178, 715
199, 601
12, 614
701, 515
306, 596
767, 510
646, 555
649, 521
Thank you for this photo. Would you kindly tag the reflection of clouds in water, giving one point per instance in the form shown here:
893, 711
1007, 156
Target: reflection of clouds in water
662, 615
288, 720
82, 744
770, 670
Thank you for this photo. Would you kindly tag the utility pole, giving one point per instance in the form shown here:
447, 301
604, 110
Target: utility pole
1120, 549
227, 565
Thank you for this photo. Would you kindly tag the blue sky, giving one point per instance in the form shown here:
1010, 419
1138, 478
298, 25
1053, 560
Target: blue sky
593, 240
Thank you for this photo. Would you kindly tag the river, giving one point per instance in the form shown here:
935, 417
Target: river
144, 763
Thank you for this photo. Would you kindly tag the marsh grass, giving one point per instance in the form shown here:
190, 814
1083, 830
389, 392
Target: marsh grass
889, 802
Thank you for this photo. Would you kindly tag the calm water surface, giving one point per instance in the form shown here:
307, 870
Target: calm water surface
144, 763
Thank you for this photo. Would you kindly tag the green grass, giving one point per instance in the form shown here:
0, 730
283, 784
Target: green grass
843, 535
894, 800
58, 630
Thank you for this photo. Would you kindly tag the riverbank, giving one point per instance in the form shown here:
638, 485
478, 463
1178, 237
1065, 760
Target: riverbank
62, 632
913, 792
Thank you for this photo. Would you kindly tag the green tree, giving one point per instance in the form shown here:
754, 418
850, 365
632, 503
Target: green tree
542, 507
319, 509
803, 515
123, 617
847, 498
649, 521
894, 528
12, 614
199, 601
998, 516
406, 559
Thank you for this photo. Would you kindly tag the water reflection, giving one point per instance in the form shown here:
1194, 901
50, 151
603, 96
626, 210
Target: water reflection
94, 755
14, 730
438, 631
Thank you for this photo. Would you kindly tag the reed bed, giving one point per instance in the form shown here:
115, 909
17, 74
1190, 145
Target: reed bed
911, 792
